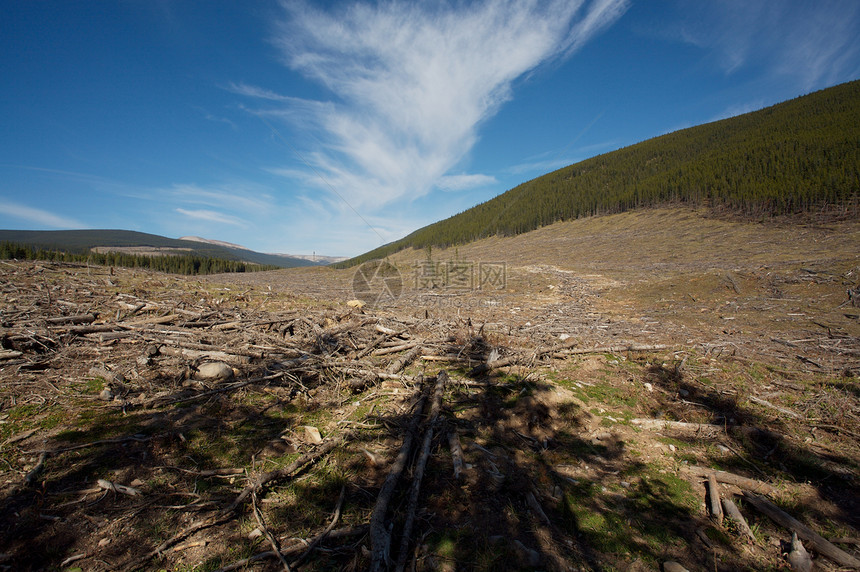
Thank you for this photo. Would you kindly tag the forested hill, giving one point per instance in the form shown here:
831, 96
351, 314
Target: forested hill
790, 158
82, 241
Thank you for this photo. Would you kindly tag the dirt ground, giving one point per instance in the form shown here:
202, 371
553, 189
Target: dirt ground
598, 370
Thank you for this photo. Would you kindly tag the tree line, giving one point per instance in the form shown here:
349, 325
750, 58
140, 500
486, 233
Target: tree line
178, 264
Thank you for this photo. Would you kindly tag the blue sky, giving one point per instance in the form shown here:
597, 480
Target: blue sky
335, 127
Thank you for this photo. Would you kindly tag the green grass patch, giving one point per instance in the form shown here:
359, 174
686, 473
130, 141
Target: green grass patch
638, 521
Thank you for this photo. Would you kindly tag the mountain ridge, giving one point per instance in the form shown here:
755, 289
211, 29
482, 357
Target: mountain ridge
117, 240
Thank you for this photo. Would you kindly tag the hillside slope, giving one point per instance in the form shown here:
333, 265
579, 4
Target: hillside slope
82, 241
797, 156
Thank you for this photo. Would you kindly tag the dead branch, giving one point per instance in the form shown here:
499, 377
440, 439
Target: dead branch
456, 452
658, 424
264, 479
345, 532
766, 403
165, 400
436, 405
117, 488
34, 472
51, 452
821, 545
298, 562
380, 535
258, 515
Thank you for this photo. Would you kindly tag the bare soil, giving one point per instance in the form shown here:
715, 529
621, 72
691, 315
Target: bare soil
117, 455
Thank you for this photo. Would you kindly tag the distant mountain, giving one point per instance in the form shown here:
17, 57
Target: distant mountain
216, 242
315, 258
82, 241
795, 157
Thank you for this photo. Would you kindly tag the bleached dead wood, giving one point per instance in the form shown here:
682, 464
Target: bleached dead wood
658, 424
394, 349
732, 512
765, 403
821, 544
117, 488
211, 354
714, 504
168, 319
733, 479
617, 349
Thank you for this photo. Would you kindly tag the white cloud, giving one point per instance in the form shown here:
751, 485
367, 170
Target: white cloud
257, 92
212, 216
464, 182
40, 217
813, 42
247, 196
412, 82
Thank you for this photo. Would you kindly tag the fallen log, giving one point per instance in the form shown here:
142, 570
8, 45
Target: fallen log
435, 406
402, 362
77, 319
617, 349
677, 425
821, 545
394, 349
380, 536
733, 479
714, 504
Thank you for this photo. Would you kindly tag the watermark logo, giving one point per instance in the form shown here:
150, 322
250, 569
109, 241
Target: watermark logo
460, 275
377, 282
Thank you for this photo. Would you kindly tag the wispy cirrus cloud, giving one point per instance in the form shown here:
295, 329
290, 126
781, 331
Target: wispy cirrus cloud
212, 216
464, 182
812, 41
40, 217
411, 83
247, 197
